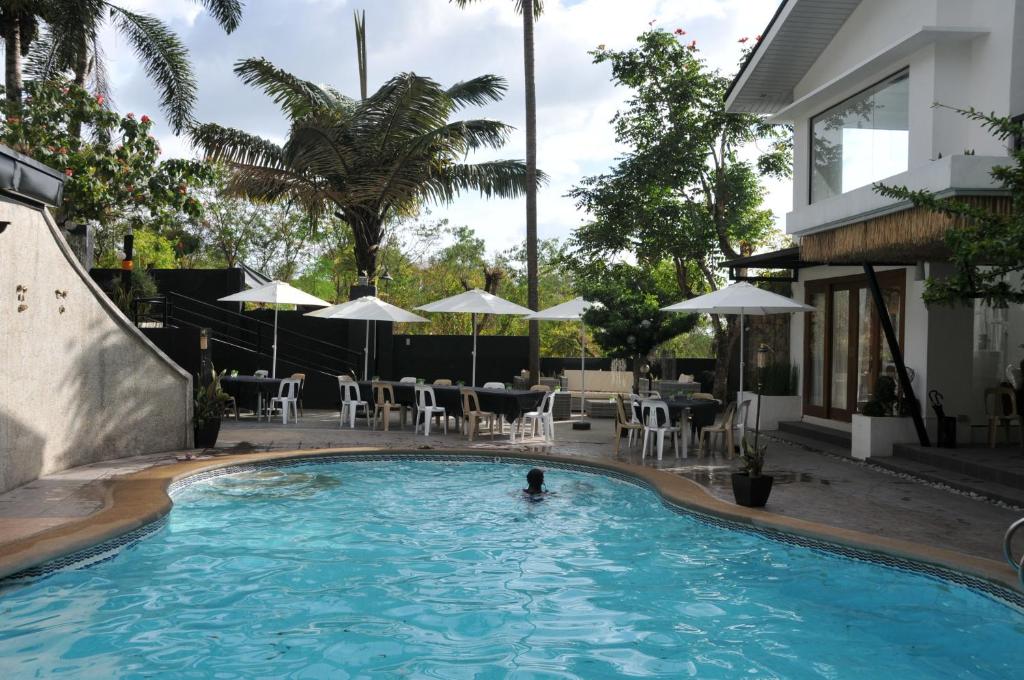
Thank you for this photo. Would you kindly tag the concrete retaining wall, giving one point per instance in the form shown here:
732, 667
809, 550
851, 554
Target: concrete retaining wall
78, 382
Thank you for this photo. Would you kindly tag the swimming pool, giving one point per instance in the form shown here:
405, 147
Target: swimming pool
442, 569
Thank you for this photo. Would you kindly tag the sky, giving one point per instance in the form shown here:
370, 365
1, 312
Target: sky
314, 39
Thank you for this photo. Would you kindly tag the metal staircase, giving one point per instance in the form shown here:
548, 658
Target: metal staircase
245, 333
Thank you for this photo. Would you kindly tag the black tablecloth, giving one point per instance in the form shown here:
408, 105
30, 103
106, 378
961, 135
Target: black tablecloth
702, 411
510, 404
247, 388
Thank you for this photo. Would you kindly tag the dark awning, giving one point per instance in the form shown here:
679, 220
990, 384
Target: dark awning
787, 260
29, 181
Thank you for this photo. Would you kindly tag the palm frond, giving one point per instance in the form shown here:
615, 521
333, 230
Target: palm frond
297, 97
479, 91
165, 61
538, 6
228, 13
493, 179
221, 144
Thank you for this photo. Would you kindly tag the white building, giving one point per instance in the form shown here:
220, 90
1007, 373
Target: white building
857, 80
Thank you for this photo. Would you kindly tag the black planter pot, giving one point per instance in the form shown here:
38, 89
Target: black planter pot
206, 434
750, 491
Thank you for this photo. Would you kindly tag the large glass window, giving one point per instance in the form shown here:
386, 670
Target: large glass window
862, 140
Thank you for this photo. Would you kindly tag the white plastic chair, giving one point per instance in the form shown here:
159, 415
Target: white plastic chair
494, 386
262, 373
427, 408
544, 417
408, 379
287, 396
351, 402
658, 422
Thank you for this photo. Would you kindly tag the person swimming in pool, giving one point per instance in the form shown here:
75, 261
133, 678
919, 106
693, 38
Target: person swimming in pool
535, 483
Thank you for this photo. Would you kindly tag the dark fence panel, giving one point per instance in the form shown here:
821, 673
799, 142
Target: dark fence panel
180, 344
499, 358
202, 284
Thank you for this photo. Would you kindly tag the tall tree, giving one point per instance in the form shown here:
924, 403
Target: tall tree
370, 161
530, 10
70, 44
19, 23
683, 191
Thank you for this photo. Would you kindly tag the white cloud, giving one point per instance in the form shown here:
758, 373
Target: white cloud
575, 99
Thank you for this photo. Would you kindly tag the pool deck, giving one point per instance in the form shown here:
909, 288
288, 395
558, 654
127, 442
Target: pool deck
816, 495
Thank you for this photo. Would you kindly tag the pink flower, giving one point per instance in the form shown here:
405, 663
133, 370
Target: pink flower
758, 38
131, 116
692, 45
679, 31
69, 172
145, 118
100, 99
743, 40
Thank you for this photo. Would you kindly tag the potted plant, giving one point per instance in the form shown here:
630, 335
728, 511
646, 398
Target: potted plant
882, 422
749, 486
207, 408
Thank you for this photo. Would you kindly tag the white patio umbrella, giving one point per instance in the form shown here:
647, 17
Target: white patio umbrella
276, 293
572, 310
367, 309
475, 302
743, 299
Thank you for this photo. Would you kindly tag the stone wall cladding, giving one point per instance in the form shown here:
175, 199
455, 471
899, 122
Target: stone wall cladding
78, 382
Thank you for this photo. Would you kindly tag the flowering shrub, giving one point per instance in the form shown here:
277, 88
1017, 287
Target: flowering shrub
111, 162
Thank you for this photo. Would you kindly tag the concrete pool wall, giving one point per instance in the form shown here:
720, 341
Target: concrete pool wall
78, 382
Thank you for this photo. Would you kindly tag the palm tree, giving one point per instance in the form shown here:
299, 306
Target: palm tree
70, 43
530, 10
19, 24
367, 161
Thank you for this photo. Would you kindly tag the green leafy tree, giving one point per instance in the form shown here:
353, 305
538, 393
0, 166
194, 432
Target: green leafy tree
371, 161
629, 323
70, 43
986, 247
530, 11
684, 191
19, 25
113, 176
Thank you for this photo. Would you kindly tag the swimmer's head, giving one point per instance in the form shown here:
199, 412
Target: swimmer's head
535, 480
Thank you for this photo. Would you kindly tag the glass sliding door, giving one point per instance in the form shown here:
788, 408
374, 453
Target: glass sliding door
845, 349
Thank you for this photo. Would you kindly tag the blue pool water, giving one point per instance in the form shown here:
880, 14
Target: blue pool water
444, 570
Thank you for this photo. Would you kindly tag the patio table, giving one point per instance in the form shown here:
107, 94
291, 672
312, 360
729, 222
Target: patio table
241, 385
509, 404
702, 412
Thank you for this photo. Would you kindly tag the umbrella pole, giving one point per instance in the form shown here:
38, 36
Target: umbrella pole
273, 364
582, 424
366, 354
474, 350
743, 366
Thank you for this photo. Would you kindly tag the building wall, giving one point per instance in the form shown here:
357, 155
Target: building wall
78, 382
984, 72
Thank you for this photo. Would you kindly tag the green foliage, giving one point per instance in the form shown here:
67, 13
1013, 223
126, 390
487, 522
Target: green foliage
209, 400
752, 457
884, 400
373, 161
70, 44
779, 379
112, 175
142, 285
987, 247
629, 323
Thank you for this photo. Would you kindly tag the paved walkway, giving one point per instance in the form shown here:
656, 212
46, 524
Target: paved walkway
809, 485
